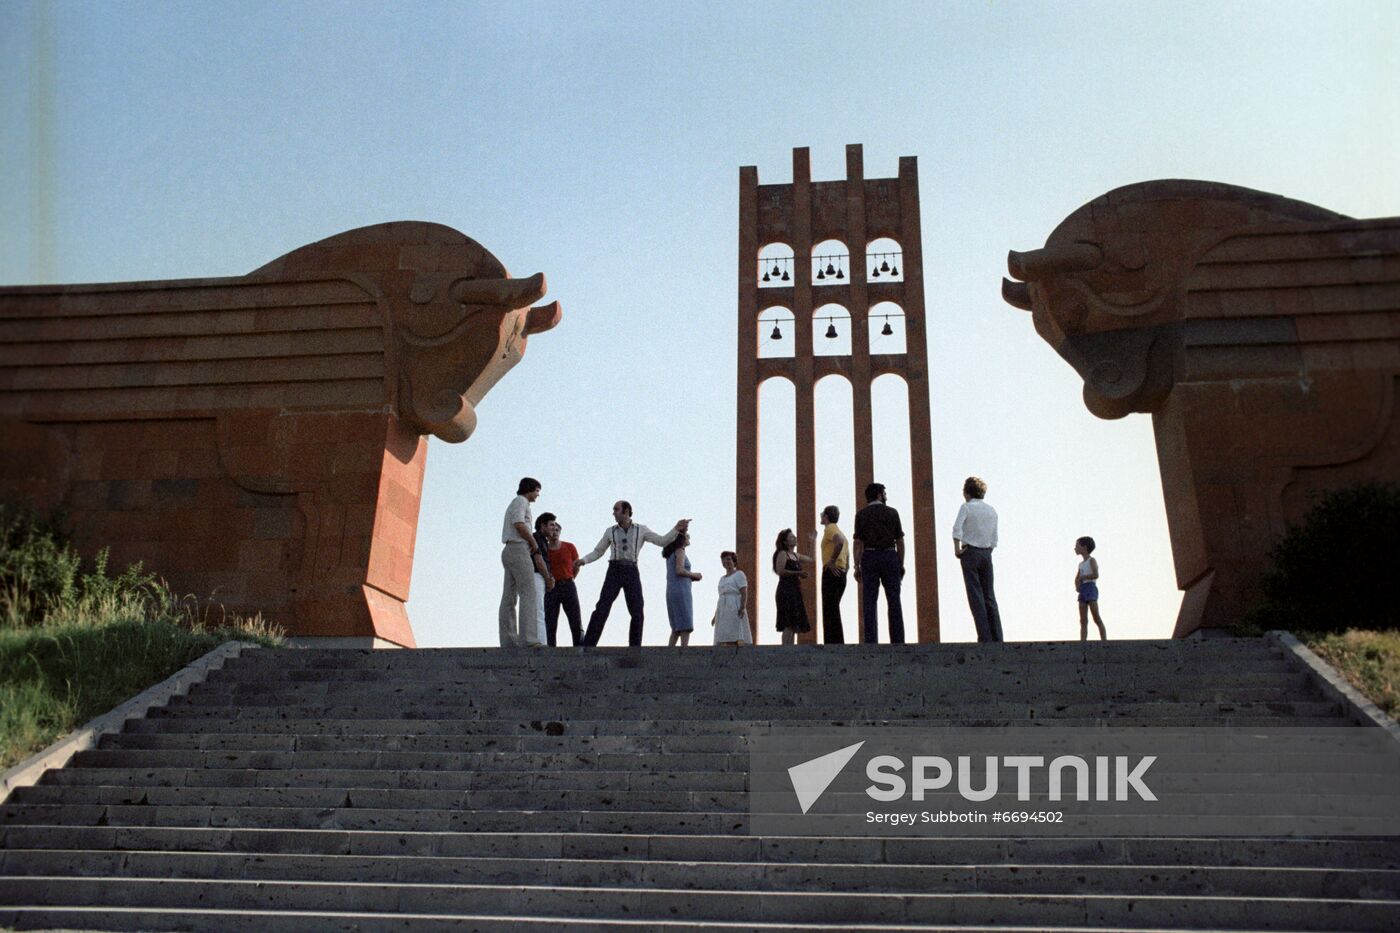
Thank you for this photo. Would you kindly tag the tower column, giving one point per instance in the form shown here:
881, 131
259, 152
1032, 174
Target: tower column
746, 416
920, 417
805, 395
862, 414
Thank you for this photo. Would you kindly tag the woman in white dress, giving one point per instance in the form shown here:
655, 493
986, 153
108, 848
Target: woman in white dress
731, 618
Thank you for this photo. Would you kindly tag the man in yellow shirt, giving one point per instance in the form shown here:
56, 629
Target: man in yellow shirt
836, 558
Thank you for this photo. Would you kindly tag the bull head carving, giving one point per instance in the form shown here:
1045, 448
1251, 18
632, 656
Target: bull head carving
1105, 291
456, 321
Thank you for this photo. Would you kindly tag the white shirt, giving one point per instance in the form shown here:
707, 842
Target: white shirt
976, 524
626, 542
517, 511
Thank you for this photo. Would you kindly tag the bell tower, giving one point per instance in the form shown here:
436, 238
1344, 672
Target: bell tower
857, 212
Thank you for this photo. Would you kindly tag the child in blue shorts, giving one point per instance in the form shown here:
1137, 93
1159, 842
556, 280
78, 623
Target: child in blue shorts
1086, 583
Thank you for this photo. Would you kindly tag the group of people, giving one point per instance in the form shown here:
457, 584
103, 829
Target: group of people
541, 569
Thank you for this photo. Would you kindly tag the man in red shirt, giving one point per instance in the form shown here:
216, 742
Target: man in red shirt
561, 556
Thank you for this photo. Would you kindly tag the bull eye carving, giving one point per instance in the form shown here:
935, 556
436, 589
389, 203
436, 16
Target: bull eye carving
1106, 373
422, 291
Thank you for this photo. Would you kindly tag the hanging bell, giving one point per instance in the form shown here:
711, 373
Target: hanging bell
820, 273
778, 333
830, 269
885, 266
831, 332
840, 274
776, 270
786, 277
765, 277
876, 273
886, 331
895, 270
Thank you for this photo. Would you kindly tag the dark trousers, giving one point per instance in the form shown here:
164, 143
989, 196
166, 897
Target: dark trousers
881, 568
833, 587
981, 598
623, 578
565, 595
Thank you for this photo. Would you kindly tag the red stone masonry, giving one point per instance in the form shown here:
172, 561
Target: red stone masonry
1262, 334
262, 438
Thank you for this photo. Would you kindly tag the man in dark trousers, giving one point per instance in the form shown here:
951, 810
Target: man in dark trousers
624, 539
561, 556
879, 554
974, 537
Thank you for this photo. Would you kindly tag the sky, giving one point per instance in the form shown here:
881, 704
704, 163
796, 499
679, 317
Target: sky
601, 143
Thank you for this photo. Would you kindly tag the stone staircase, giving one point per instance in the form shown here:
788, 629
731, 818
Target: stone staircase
605, 789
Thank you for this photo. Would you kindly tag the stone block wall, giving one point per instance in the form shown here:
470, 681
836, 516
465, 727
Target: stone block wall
262, 439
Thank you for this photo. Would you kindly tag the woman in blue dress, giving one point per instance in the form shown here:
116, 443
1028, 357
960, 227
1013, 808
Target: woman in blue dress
679, 577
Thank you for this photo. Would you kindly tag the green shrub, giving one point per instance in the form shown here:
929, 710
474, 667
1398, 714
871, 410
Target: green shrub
75, 642
1339, 568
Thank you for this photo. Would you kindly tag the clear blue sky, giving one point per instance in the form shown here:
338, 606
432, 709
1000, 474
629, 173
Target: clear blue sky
600, 143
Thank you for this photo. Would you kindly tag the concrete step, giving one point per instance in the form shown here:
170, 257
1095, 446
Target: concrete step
584, 677
577, 779
365, 818
185, 919
352, 694
204, 721
776, 708
1268, 669
566, 743
1284, 852
658, 800
1232, 881
292, 763
414, 760
616, 903
769, 655
1186, 780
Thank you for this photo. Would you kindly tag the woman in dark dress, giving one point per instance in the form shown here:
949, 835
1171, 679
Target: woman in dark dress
787, 564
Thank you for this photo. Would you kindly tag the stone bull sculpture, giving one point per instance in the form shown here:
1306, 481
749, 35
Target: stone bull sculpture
1261, 334
262, 438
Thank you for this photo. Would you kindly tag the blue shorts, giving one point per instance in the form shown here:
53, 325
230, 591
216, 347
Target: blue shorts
1089, 592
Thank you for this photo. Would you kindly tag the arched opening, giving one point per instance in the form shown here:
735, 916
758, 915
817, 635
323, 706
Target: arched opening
831, 331
887, 328
775, 269
831, 263
777, 485
836, 479
884, 261
776, 336
889, 397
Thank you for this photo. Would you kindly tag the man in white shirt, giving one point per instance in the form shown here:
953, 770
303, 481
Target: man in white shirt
521, 557
974, 536
625, 539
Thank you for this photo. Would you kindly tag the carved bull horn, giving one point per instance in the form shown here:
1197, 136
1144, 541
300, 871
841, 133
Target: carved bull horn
542, 318
514, 293
1016, 294
1037, 264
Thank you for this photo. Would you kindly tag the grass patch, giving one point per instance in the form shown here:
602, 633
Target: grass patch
75, 641
1370, 661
